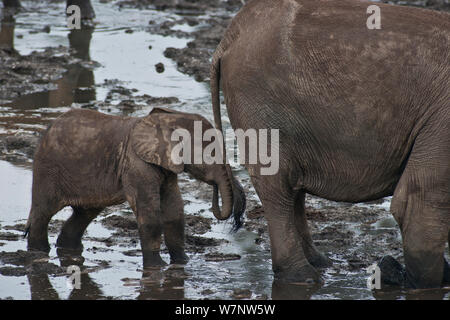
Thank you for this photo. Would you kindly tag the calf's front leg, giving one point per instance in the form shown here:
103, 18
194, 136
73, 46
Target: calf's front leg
144, 199
172, 211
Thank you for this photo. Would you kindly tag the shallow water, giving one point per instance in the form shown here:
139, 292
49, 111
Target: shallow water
112, 272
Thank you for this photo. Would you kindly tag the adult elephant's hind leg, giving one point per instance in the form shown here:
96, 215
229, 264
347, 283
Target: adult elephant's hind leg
421, 205
315, 258
289, 261
74, 228
447, 265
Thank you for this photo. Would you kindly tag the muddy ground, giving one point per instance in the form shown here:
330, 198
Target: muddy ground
353, 236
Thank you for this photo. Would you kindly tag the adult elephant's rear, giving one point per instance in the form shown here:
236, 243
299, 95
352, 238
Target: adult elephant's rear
362, 114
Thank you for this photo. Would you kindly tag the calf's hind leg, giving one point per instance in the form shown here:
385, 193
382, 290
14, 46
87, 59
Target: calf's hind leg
73, 229
42, 210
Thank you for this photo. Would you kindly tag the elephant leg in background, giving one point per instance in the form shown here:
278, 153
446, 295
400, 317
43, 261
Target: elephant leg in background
421, 205
289, 261
315, 258
172, 210
73, 229
87, 11
11, 3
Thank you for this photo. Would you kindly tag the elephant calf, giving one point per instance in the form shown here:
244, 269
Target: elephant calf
89, 160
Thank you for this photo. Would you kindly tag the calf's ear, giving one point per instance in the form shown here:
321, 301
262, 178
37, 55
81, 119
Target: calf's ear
152, 143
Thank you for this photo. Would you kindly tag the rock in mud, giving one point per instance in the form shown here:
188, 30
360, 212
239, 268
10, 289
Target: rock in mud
16, 227
22, 258
119, 222
159, 67
183, 6
197, 224
207, 292
21, 75
13, 271
24, 144
133, 253
241, 294
9, 236
217, 256
28, 262
198, 242
160, 100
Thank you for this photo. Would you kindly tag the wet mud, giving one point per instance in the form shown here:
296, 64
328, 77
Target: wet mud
177, 40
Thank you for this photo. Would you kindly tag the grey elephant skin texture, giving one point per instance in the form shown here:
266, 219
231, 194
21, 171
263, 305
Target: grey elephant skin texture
89, 160
362, 114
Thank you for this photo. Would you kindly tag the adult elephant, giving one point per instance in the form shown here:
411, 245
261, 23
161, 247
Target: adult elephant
86, 9
362, 113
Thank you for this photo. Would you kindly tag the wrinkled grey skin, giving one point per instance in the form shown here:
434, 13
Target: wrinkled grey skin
86, 9
363, 114
89, 160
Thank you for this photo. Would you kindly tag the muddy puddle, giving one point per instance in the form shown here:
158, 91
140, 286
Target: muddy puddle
120, 65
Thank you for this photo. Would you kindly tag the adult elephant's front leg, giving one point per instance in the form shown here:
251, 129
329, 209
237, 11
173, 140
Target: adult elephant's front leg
289, 261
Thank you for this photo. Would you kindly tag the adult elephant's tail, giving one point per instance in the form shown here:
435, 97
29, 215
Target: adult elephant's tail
238, 193
215, 88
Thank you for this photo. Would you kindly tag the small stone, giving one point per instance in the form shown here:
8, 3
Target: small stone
241, 294
159, 67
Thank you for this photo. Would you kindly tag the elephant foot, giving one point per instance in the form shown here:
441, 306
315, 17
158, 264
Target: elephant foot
153, 259
392, 272
69, 244
38, 246
446, 273
319, 260
179, 258
69, 257
305, 274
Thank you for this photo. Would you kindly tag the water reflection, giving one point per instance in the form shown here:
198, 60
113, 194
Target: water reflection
76, 84
423, 294
160, 284
42, 289
292, 291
